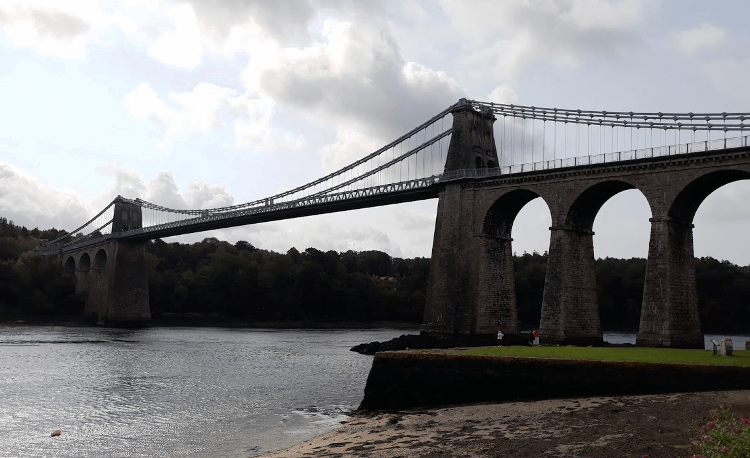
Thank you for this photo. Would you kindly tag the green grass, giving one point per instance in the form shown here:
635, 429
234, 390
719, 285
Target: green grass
637, 354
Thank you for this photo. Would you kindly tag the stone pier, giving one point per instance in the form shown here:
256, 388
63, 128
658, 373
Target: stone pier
113, 275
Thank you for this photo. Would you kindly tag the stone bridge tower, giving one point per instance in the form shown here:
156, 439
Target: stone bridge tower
458, 301
113, 275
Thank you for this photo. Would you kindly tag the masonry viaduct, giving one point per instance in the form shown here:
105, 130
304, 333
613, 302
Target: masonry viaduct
471, 288
112, 275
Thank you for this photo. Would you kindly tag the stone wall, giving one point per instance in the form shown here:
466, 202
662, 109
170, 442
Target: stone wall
410, 379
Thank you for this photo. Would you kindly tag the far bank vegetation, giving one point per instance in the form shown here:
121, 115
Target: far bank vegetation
239, 282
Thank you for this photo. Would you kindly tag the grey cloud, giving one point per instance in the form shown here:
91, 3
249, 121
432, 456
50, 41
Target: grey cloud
57, 24
29, 203
202, 195
284, 20
128, 184
727, 204
510, 35
369, 85
163, 190
414, 220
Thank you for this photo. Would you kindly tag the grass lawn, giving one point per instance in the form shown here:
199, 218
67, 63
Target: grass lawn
639, 354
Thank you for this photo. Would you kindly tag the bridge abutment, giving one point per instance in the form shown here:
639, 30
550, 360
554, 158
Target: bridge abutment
496, 286
570, 311
450, 305
669, 315
462, 281
125, 291
112, 275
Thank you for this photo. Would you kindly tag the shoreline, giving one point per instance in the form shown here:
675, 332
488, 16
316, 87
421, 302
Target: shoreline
192, 323
657, 425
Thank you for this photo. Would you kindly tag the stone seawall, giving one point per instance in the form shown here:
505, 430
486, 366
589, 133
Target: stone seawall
408, 379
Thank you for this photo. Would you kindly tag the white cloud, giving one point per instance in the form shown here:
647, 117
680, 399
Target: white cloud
199, 111
163, 190
254, 129
201, 195
182, 47
27, 201
503, 94
702, 38
350, 144
284, 21
507, 36
45, 30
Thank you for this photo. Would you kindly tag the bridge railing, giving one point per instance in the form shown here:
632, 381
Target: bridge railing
643, 153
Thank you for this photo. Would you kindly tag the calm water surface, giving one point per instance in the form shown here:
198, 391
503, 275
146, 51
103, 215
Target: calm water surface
192, 392
180, 392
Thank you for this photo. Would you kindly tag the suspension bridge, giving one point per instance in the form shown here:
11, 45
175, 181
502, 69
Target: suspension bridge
484, 161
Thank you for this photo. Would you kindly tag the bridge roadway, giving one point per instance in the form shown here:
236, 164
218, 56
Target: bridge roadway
407, 191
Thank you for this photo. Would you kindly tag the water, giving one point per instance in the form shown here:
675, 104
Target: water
738, 341
181, 392
192, 392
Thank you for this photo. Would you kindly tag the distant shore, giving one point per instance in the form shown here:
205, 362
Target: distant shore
660, 425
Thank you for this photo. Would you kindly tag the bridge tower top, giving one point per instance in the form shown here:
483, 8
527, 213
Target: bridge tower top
127, 216
473, 140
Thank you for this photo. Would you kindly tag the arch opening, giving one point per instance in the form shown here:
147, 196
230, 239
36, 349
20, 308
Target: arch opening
582, 213
84, 263
571, 307
524, 215
621, 246
100, 259
686, 203
70, 266
717, 204
498, 222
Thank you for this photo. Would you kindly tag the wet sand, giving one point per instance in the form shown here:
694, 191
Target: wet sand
617, 426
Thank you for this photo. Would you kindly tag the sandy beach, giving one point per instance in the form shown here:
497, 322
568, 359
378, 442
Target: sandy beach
617, 426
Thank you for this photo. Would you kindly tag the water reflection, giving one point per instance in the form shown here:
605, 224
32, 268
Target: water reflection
174, 392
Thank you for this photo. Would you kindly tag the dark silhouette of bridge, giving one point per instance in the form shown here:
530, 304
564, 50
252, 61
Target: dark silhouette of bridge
484, 161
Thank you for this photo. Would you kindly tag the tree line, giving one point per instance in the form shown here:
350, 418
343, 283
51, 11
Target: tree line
32, 286
242, 283
251, 284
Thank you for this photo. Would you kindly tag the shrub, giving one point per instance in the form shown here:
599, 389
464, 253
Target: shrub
726, 436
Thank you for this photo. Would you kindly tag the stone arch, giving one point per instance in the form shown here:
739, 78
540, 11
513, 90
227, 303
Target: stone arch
498, 221
69, 268
570, 309
478, 162
496, 291
100, 259
582, 212
84, 263
689, 199
669, 316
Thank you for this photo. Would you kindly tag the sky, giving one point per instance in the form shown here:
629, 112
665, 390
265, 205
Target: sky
207, 103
